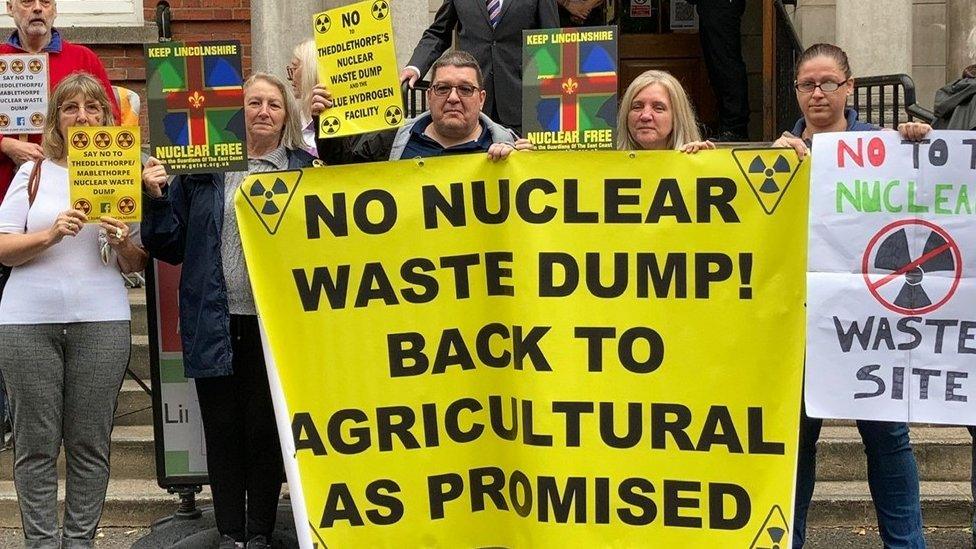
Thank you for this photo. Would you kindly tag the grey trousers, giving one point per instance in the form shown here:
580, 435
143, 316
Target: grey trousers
63, 381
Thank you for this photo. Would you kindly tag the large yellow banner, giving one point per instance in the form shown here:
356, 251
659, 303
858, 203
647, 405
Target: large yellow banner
562, 349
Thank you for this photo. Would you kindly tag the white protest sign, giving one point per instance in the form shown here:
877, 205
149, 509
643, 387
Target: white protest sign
891, 298
23, 93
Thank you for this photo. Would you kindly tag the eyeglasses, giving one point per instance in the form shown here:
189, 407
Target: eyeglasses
72, 109
826, 87
443, 90
290, 71
30, 3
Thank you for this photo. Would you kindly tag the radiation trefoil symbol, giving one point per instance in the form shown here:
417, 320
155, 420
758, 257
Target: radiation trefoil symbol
322, 23
912, 266
769, 173
80, 140
330, 125
380, 10
393, 115
774, 531
269, 195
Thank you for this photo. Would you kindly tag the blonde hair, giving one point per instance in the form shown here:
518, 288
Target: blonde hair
972, 44
79, 82
291, 132
307, 56
684, 127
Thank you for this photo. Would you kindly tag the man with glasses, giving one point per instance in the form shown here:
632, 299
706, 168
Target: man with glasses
453, 125
35, 33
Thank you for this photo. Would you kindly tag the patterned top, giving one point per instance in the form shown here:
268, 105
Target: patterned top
240, 299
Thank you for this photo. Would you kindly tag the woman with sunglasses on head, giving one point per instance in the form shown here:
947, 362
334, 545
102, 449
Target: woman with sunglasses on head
64, 328
823, 84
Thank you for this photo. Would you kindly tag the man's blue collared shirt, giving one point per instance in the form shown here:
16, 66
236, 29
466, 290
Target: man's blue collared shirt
54, 46
420, 145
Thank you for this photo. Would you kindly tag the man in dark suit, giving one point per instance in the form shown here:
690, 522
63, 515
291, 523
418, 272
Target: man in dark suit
720, 32
491, 30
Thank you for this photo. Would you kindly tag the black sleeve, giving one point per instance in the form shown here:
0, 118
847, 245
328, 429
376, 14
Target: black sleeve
355, 149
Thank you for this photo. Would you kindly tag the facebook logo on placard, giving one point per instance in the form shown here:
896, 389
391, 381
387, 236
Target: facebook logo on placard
21, 120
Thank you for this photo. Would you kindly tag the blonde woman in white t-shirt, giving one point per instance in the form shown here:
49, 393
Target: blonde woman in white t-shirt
64, 329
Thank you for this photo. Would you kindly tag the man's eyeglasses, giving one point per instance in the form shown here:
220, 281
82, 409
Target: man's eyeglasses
30, 3
443, 90
826, 87
72, 109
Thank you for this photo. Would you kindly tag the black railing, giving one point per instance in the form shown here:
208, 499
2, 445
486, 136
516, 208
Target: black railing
888, 100
788, 51
415, 98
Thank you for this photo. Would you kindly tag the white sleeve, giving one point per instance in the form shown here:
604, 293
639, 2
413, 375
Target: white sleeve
13, 209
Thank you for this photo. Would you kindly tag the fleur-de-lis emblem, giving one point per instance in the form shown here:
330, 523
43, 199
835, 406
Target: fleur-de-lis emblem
570, 86
196, 100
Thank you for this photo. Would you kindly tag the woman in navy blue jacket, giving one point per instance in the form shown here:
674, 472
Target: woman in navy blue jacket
823, 84
192, 222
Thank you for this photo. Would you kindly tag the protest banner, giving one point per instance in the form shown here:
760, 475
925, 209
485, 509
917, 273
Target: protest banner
891, 330
569, 88
196, 106
559, 349
105, 172
357, 61
23, 93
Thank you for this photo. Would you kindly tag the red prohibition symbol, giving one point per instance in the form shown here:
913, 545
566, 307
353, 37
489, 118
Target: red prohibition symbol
904, 279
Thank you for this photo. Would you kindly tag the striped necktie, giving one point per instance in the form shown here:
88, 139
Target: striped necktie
494, 12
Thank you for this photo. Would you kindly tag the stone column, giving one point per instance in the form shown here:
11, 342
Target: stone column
878, 40
276, 27
960, 36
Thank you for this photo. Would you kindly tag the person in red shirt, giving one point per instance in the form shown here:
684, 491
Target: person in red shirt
35, 33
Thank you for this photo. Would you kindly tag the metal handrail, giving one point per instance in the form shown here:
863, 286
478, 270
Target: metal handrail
787, 53
415, 98
883, 99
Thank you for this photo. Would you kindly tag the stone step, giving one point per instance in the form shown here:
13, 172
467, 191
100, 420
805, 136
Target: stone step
133, 455
135, 405
137, 302
139, 359
943, 453
128, 503
848, 503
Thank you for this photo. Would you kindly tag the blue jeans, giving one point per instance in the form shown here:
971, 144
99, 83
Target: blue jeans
892, 478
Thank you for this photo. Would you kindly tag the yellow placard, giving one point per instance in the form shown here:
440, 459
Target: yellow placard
561, 349
357, 61
104, 170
